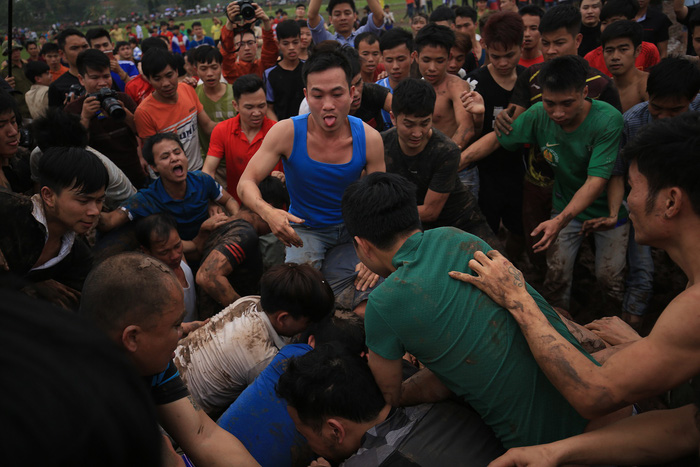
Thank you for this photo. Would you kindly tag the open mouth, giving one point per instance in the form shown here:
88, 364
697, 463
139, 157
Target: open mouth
178, 170
330, 120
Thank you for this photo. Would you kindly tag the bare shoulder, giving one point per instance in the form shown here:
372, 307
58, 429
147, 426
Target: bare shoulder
456, 85
371, 135
679, 323
280, 138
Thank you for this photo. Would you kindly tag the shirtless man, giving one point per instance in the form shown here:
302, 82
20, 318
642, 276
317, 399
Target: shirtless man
664, 208
433, 44
622, 43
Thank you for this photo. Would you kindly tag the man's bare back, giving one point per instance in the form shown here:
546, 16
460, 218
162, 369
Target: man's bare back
633, 93
449, 116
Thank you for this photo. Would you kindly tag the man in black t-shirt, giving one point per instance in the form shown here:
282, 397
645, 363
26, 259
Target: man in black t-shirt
70, 43
284, 85
429, 159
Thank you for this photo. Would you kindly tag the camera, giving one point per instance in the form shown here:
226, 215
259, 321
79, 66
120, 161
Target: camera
109, 103
75, 90
247, 9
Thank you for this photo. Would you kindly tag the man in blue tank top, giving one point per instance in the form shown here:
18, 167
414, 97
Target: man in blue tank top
322, 152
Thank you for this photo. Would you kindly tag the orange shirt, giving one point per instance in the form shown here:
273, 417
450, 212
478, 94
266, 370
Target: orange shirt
56, 74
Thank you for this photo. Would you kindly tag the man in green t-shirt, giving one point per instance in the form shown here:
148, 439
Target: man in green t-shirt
579, 138
468, 343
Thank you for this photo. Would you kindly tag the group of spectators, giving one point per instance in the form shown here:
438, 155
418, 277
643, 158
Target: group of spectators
305, 238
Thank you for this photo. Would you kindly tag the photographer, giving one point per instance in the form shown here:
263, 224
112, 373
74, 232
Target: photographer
238, 45
111, 135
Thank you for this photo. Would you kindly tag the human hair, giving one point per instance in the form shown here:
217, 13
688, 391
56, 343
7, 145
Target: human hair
463, 42
147, 150
415, 17
353, 57
96, 33
70, 396
9, 104
673, 77
531, 10
342, 327
163, 23
443, 13
134, 41
93, 59
205, 54
334, 3
435, 35
125, 289
287, 29
330, 382
28, 43
396, 37
300, 5
62, 168
380, 208
246, 84
35, 69
195, 24
562, 16
612, 8
63, 35
244, 30
368, 37
466, 12
49, 48
623, 30
159, 225
504, 29
152, 43
59, 129
121, 44
273, 192
156, 60
298, 289
667, 153
563, 74
413, 97
322, 60
694, 22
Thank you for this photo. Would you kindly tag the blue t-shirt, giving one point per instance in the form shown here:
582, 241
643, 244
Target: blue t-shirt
206, 41
384, 82
130, 69
259, 419
189, 212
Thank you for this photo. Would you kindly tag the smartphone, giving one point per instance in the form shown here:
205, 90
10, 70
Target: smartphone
110, 55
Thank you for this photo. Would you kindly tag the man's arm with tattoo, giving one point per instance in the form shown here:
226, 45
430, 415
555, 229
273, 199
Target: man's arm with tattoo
211, 277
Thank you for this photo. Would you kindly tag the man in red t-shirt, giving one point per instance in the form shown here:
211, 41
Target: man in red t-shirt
239, 138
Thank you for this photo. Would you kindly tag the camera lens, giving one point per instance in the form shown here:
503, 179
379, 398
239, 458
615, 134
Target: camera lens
247, 11
113, 108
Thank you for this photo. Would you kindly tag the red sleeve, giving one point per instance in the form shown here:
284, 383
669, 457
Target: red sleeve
217, 141
650, 56
270, 51
228, 51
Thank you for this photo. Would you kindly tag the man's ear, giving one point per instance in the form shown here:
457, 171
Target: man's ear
393, 118
81, 80
130, 338
48, 196
312, 341
364, 246
279, 318
674, 202
336, 429
578, 39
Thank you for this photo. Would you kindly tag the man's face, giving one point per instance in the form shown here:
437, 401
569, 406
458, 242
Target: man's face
481, 5
329, 97
432, 63
323, 443
170, 161
414, 132
165, 82
608, 21
247, 47
126, 53
305, 37
503, 60
455, 61
103, 44
357, 85
16, 55
159, 336
696, 39
9, 135
564, 108
559, 43
417, 24
289, 47
300, 12
369, 56
209, 73
667, 107
465, 25
531, 36
94, 80
619, 55
343, 18
397, 62
644, 213
33, 50
53, 60
590, 12
74, 210
252, 108
197, 31
168, 250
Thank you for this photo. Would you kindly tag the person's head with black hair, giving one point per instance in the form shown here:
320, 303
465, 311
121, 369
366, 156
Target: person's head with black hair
10, 119
207, 61
94, 70
560, 31
144, 321
98, 410
148, 152
32, 50
694, 29
289, 41
59, 129
418, 22
51, 55
197, 30
531, 15
465, 20
503, 38
590, 12
380, 212
329, 391
152, 43
300, 11
664, 200
412, 114
305, 41
245, 44
617, 10
622, 43
357, 83
564, 90
250, 100
38, 72
160, 68
70, 43
433, 45
343, 15
293, 296
188, 62
342, 327
396, 46
672, 85
444, 16
328, 73
124, 51
367, 46
458, 53
72, 185
157, 234
273, 192
99, 39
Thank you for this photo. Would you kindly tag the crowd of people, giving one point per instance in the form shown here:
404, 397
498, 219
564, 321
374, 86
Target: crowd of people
324, 241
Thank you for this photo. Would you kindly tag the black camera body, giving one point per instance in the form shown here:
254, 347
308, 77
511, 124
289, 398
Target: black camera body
247, 9
75, 90
109, 103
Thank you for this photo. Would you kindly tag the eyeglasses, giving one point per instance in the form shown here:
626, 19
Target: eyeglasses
238, 45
